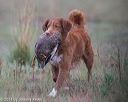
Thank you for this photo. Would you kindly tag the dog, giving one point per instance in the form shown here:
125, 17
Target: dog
75, 45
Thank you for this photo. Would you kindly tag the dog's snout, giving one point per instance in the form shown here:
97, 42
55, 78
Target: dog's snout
50, 30
47, 33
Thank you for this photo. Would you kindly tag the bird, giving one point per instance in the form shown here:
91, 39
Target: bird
46, 47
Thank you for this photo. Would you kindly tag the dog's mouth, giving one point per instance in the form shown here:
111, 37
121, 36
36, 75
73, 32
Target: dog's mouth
46, 47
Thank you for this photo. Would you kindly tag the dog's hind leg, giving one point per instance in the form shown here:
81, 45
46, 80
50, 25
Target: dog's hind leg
88, 58
88, 63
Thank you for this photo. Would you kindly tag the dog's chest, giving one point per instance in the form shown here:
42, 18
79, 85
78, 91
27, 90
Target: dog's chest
56, 59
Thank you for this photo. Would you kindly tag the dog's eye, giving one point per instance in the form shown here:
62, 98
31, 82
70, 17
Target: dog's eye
57, 26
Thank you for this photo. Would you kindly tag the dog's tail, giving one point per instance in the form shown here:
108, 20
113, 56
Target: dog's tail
77, 17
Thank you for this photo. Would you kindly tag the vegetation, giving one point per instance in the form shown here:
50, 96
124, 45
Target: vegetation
106, 85
21, 54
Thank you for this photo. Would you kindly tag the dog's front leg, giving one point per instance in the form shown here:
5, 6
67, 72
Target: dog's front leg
55, 72
64, 71
63, 77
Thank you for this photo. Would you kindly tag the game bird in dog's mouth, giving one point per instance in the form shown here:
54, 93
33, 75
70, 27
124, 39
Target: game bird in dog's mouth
46, 47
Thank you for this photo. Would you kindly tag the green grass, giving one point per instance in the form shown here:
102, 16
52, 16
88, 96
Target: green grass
21, 54
106, 84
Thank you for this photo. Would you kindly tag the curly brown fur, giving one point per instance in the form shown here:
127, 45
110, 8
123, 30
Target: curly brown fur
77, 17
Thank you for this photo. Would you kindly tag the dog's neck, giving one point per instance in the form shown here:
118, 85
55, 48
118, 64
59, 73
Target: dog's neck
74, 26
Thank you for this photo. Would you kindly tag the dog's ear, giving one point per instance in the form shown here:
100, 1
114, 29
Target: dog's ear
66, 25
45, 25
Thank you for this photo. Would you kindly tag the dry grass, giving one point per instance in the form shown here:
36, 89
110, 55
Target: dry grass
102, 87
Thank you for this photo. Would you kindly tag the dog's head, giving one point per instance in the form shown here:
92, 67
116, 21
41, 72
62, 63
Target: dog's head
55, 29
57, 25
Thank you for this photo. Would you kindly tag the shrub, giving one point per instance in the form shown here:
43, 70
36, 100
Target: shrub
23, 30
21, 54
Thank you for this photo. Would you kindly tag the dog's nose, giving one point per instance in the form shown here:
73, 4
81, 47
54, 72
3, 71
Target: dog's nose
47, 33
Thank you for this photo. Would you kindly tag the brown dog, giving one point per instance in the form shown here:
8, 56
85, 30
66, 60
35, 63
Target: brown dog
75, 45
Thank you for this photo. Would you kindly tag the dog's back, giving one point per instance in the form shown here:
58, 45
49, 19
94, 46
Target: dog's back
79, 38
77, 19
77, 35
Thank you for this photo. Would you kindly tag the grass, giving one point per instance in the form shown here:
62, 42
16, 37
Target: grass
105, 85
99, 89
21, 54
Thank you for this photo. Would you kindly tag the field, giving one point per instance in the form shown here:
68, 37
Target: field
109, 81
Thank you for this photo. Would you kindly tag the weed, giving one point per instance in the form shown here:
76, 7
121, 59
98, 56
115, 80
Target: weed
106, 84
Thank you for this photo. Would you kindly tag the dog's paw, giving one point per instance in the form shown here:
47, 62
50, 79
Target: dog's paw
53, 93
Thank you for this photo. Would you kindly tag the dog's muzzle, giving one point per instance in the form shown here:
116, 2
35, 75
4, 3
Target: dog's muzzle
46, 47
